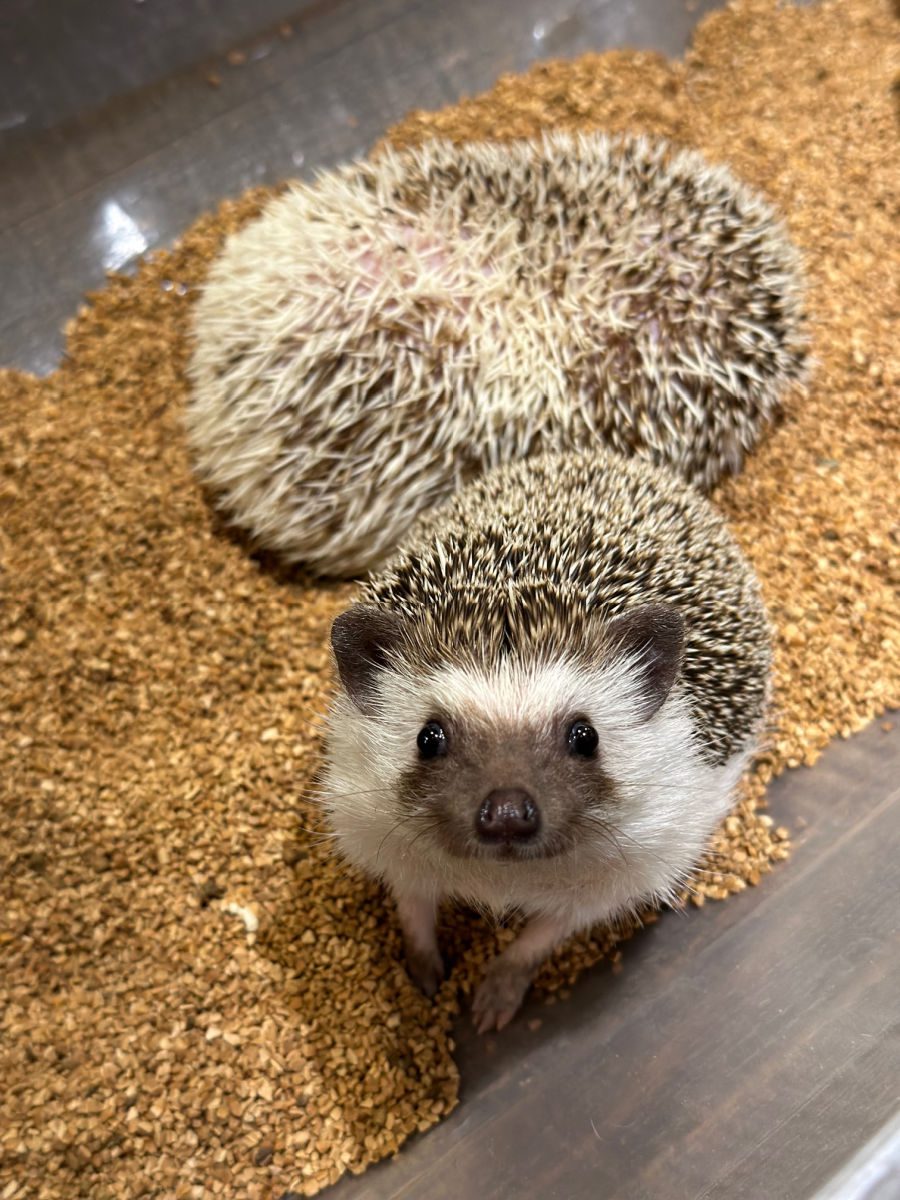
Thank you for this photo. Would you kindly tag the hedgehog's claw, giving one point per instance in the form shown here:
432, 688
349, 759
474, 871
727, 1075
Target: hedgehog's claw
499, 995
426, 970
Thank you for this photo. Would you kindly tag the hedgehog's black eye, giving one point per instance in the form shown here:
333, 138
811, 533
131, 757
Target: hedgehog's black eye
432, 741
582, 739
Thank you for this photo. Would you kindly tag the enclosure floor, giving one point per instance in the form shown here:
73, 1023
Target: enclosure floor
750, 1051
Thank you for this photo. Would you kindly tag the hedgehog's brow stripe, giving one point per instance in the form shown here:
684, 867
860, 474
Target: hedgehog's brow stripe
530, 694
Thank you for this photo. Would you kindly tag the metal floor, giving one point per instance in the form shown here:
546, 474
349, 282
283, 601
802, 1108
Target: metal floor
749, 1050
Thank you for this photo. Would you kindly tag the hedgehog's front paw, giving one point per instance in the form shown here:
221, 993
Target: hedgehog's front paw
426, 969
500, 994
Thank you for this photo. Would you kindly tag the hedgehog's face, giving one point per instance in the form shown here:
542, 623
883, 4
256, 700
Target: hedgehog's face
521, 761
494, 780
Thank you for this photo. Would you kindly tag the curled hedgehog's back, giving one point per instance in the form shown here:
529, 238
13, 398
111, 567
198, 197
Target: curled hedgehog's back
519, 560
378, 336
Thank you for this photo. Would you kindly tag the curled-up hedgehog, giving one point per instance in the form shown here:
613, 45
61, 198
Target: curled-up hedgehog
380, 336
546, 699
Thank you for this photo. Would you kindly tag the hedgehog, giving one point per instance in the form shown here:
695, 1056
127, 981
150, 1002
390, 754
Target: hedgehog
382, 335
544, 703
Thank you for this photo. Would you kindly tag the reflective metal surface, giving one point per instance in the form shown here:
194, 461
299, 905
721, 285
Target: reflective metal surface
120, 123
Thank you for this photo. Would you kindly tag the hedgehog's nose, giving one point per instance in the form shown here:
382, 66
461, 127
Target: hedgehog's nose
507, 814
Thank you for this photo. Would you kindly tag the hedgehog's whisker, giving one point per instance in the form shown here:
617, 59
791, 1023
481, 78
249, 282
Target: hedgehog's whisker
603, 825
325, 833
393, 829
320, 838
429, 825
606, 831
319, 797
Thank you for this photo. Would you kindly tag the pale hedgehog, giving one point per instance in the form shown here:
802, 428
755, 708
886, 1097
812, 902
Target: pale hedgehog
381, 335
545, 702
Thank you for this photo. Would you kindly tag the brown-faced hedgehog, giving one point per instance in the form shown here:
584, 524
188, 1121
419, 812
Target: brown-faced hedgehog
546, 699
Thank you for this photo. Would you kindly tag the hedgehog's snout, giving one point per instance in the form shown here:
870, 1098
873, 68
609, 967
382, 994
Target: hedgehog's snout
507, 815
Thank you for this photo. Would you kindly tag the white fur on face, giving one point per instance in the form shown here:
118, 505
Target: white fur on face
668, 799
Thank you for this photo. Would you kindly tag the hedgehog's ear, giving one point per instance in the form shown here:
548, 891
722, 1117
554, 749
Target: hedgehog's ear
654, 635
362, 638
